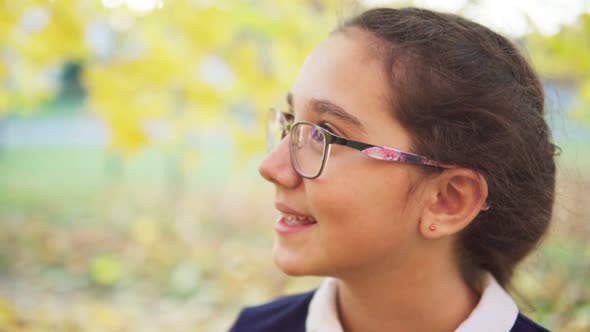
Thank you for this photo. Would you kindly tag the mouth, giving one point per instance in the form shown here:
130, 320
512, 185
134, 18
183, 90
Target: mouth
291, 221
297, 220
289, 224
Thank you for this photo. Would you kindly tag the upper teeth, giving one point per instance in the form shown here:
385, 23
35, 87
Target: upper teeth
298, 220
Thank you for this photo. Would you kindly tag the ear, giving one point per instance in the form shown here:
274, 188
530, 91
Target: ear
454, 199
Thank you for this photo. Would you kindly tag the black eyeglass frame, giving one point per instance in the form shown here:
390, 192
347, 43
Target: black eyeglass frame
370, 150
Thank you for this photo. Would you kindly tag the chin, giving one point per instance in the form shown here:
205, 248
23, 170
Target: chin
291, 263
292, 271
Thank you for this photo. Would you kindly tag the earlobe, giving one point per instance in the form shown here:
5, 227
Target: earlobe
457, 196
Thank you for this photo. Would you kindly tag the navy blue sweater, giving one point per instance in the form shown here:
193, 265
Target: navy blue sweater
288, 314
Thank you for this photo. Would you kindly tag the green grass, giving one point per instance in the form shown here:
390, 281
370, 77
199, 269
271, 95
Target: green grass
46, 175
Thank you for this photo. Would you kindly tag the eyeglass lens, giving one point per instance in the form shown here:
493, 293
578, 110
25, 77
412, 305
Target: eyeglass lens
308, 143
308, 146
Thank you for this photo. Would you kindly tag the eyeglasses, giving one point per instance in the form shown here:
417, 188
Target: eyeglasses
311, 145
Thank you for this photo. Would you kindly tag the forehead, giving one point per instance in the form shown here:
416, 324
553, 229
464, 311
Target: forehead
347, 70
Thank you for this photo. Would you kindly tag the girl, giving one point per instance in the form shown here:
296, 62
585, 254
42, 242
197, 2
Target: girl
414, 169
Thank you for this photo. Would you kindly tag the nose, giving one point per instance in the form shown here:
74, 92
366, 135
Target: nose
277, 168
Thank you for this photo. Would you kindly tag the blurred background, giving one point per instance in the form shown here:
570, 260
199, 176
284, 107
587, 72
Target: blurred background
130, 133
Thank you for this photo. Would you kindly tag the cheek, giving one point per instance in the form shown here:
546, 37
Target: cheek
380, 190
362, 216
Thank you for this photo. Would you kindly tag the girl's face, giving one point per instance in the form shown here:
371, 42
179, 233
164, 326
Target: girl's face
366, 210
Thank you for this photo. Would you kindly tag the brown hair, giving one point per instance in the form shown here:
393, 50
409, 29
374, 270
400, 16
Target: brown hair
468, 97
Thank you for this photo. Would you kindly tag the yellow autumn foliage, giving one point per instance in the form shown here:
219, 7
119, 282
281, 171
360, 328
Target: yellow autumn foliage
161, 64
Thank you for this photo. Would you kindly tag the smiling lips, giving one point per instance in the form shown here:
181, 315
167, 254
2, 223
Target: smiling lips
290, 224
293, 220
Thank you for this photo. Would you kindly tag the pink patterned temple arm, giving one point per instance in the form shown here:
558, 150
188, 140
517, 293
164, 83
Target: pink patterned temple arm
389, 154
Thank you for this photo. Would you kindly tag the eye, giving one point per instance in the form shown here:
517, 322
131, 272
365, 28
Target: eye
328, 127
317, 135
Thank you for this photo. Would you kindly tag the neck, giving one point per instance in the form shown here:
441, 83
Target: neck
428, 296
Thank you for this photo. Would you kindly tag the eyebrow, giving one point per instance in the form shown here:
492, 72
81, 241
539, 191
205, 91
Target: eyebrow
323, 106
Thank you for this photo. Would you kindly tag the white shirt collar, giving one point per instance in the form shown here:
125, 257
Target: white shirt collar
495, 312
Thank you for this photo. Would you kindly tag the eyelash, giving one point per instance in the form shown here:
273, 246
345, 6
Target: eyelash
328, 127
